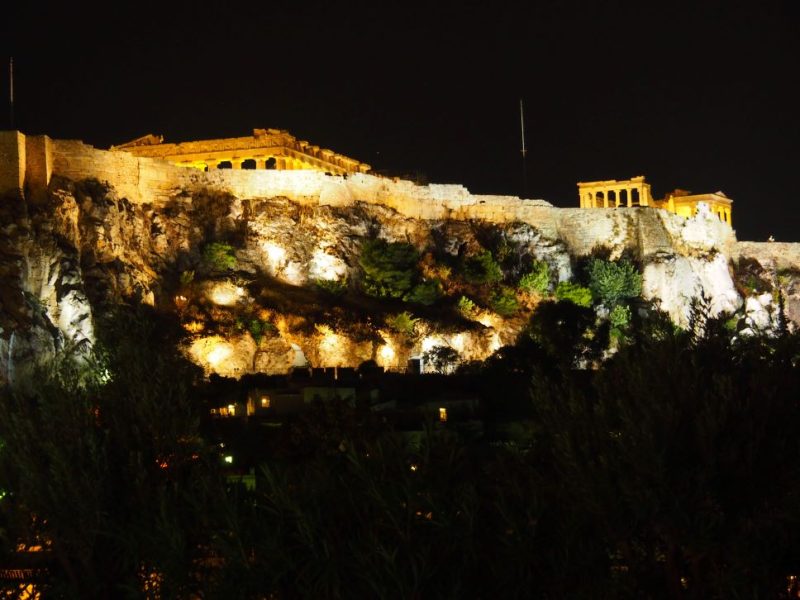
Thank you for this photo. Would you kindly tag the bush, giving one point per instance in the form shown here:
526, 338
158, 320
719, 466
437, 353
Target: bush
538, 280
187, 277
335, 287
620, 316
482, 269
389, 268
503, 301
403, 322
425, 293
575, 293
218, 256
612, 282
443, 359
466, 306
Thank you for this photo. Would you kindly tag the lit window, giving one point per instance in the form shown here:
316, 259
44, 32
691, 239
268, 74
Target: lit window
232, 410
443, 415
264, 401
228, 459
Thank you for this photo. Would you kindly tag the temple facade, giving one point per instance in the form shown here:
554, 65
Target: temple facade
265, 149
636, 192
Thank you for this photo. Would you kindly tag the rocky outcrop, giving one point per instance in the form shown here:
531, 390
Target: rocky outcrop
289, 295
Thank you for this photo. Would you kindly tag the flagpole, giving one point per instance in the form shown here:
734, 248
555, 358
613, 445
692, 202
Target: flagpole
11, 92
524, 150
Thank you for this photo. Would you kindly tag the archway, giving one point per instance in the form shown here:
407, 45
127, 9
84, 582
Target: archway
624, 199
225, 164
612, 199
250, 163
271, 163
600, 199
634, 197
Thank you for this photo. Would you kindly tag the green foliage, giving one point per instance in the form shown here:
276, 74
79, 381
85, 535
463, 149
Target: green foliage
466, 306
620, 316
575, 293
218, 256
105, 452
683, 464
482, 269
258, 328
425, 293
389, 268
567, 332
503, 301
537, 280
443, 359
187, 277
403, 322
335, 287
613, 282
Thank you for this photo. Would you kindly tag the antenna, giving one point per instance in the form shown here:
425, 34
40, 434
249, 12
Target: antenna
524, 150
11, 92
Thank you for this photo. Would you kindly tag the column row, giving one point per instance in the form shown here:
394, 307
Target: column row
612, 198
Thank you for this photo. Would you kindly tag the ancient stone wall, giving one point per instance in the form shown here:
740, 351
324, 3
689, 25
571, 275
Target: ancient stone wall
645, 231
12, 162
771, 255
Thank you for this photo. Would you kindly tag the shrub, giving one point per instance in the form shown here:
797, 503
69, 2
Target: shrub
482, 269
620, 316
443, 359
612, 282
425, 293
256, 327
538, 280
335, 287
466, 306
186, 277
403, 322
389, 268
575, 293
218, 256
503, 301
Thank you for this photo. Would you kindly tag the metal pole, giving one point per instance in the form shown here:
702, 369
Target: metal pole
11, 92
524, 150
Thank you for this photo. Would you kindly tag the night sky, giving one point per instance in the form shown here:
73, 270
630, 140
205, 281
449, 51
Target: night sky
699, 95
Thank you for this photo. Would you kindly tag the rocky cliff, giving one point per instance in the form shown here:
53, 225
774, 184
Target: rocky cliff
270, 275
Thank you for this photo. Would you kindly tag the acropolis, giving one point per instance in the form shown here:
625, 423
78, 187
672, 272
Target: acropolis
265, 149
636, 192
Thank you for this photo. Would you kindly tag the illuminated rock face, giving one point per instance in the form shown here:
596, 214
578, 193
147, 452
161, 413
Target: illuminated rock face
94, 228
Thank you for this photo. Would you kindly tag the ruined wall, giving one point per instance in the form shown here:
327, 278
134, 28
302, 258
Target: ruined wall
12, 162
143, 180
777, 256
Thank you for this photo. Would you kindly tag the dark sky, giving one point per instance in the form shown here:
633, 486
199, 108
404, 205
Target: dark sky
701, 95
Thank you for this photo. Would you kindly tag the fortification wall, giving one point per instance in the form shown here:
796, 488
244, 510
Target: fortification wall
29, 164
12, 162
771, 255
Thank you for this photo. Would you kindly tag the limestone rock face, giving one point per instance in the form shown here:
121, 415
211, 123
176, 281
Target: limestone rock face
288, 301
674, 282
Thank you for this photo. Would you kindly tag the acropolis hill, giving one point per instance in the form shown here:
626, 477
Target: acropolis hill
84, 227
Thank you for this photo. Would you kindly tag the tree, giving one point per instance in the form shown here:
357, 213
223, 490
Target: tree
575, 293
425, 293
482, 269
389, 268
537, 280
218, 256
107, 456
685, 463
443, 359
613, 282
